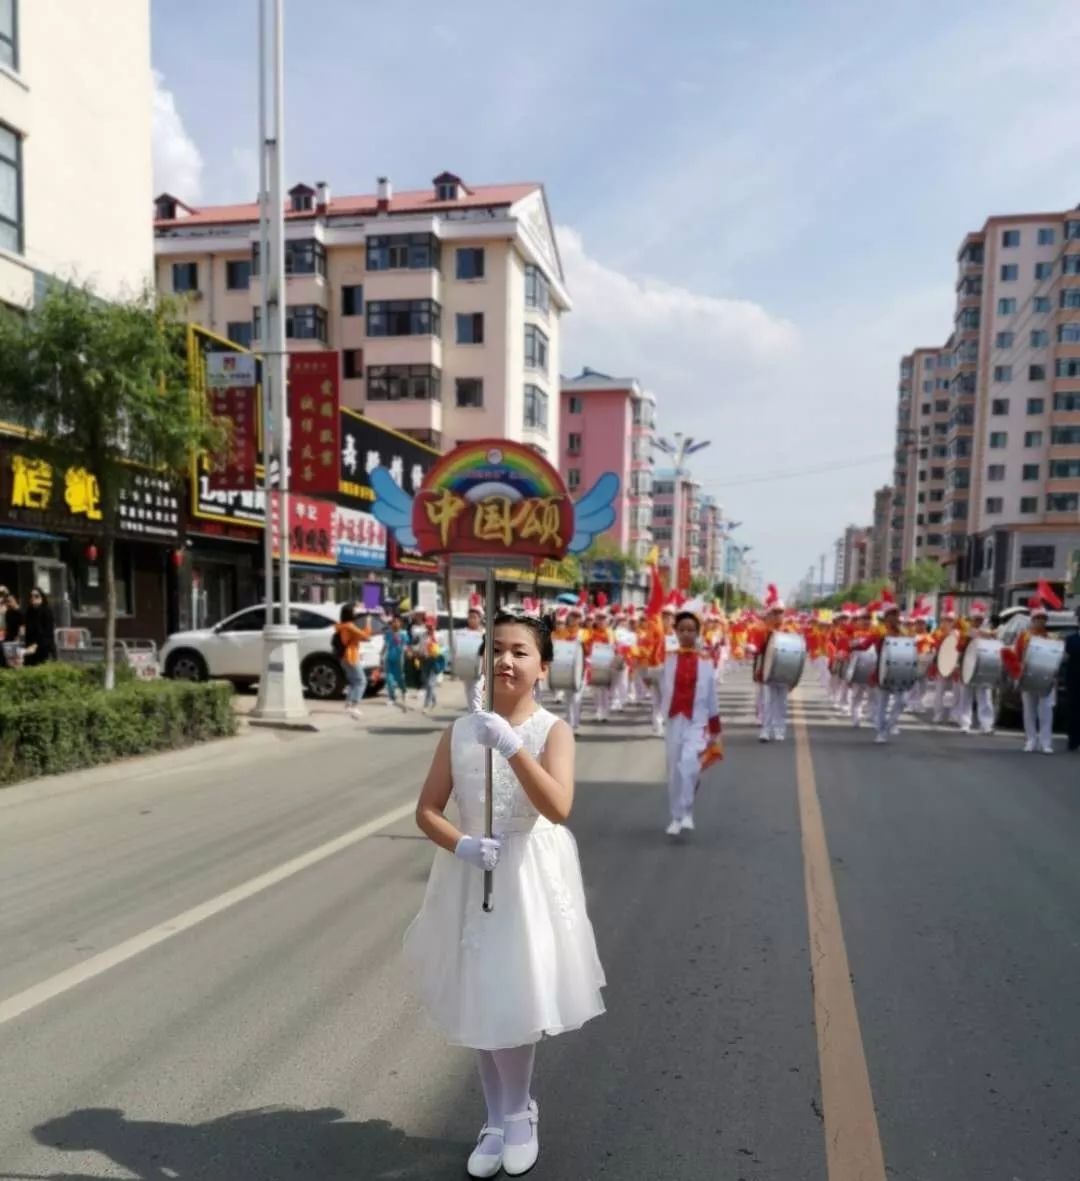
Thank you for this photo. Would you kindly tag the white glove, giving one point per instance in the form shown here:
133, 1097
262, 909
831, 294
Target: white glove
483, 852
495, 731
477, 702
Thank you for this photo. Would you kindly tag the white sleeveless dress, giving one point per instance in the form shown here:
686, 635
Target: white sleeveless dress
494, 981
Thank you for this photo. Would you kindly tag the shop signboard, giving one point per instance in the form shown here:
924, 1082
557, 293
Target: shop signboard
231, 397
315, 441
359, 540
310, 529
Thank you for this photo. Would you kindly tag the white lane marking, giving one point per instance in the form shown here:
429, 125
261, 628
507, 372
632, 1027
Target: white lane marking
38, 994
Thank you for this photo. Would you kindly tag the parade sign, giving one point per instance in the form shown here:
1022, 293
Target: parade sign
313, 413
492, 498
230, 392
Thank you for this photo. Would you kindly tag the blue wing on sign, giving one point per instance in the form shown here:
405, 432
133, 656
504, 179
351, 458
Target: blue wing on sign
393, 507
594, 512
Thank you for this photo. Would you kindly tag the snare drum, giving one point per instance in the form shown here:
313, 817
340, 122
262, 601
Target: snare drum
567, 672
1042, 660
948, 656
466, 666
783, 659
898, 663
982, 664
861, 666
604, 663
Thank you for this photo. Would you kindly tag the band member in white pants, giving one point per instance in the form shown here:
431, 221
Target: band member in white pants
772, 699
1038, 710
474, 623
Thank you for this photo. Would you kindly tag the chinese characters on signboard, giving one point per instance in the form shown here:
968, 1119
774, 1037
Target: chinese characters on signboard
310, 529
315, 430
535, 525
230, 386
359, 540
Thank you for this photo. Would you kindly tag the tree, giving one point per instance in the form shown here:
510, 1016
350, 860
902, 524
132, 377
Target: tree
102, 387
606, 551
925, 576
699, 584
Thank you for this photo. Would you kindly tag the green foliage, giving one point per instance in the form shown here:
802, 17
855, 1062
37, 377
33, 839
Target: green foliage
925, 576
55, 718
861, 592
699, 584
607, 549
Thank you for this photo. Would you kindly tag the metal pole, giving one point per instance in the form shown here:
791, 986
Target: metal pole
489, 704
277, 303
264, 262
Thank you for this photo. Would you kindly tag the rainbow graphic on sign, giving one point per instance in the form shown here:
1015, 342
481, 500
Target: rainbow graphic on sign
493, 497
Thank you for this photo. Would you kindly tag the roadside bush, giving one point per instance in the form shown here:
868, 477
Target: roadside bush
55, 718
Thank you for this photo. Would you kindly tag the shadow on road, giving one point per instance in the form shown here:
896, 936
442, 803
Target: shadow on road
272, 1144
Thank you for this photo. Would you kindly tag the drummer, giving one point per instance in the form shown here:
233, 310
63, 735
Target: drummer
945, 628
838, 647
571, 629
863, 634
888, 703
979, 696
600, 633
1038, 710
773, 699
924, 645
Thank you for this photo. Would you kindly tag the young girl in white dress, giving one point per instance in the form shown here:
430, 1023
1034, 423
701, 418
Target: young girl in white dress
498, 982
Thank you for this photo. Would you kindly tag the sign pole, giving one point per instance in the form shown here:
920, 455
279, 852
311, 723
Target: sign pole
489, 705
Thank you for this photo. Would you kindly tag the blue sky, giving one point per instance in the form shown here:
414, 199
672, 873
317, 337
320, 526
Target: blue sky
759, 204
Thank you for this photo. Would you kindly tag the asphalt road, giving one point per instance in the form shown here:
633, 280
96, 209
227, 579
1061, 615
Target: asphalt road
273, 1038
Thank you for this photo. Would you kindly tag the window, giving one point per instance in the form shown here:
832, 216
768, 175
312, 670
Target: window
926, 407
998, 440
1037, 557
1003, 373
995, 472
1065, 436
470, 262
536, 408
404, 317
1046, 237
352, 362
1033, 438
937, 495
303, 256
575, 404
1036, 373
573, 479
573, 444
9, 33
999, 406
403, 252
1062, 502
921, 498
928, 363
470, 327
941, 407
934, 519
1030, 471
1006, 307
1010, 238
404, 383
1067, 401
1070, 264
1029, 504
1036, 405
959, 510
1065, 469
239, 332
238, 274
469, 393
995, 504
302, 198
1043, 270
1070, 298
937, 473
185, 276
1004, 340
1067, 367
537, 289
969, 319
352, 300
1040, 338
305, 321
1069, 333
1041, 304
536, 348
1009, 272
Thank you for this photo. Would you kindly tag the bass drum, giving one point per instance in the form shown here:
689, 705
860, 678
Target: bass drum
567, 671
466, 666
948, 656
860, 666
898, 663
982, 663
604, 664
1042, 660
784, 658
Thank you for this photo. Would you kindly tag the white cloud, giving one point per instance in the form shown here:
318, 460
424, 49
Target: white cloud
178, 163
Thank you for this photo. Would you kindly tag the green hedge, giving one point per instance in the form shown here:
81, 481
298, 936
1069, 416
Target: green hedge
56, 718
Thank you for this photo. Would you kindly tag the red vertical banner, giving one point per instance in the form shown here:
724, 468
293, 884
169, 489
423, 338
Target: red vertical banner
310, 529
314, 397
230, 392
684, 575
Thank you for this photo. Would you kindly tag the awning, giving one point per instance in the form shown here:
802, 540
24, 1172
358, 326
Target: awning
30, 534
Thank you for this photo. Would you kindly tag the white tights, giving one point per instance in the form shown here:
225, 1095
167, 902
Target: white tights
506, 1076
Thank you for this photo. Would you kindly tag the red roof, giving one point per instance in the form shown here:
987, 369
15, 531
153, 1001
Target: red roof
416, 201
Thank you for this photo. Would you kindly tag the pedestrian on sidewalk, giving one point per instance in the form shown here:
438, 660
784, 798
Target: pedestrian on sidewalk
395, 647
432, 664
498, 982
348, 636
688, 703
40, 630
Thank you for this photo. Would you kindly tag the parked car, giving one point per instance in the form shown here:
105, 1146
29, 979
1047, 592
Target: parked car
1014, 621
233, 650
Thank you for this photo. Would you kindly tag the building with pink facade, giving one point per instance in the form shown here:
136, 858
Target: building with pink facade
606, 425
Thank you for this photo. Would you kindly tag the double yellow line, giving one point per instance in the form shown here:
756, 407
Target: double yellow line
852, 1139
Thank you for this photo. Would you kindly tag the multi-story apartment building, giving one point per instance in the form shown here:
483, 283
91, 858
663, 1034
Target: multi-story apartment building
1011, 497
445, 302
710, 561
676, 522
880, 533
69, 82
607, 424
853, 556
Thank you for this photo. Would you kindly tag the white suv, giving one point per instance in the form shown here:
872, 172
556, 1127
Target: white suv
233, 650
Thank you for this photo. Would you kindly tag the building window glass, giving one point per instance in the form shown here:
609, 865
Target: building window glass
1033, 438
999, 406
1040, 338
352, 363
404, 317
1067, 401
573, 444
470, 327
1029, 504
575, 404
1036, 373
1041, 304
403, 252
995, 472
185, 276
303, 256
573, 479
1067, 367
1070, 264
1065, 436
1070, 298
352, 300
404, 383
1003, 373
998, 440
1046, 237
1006, 307
238, 274
1062, 502
1036, 405
537, 289
305, 321
1009, 272
1010, 238
1069, 333
1065, 469
994, 504
536, 408
1030, 471
469, 262
1043, 270
469, 393
1037, 557
9, 33
239, 332
536, 348
1004, 340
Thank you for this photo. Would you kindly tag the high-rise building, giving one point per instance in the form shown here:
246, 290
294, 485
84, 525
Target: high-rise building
607, 425
713, 540
444, 302
676, 522
880, 533
853, 556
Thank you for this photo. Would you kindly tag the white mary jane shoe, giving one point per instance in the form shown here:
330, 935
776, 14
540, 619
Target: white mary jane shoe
485, 1164
518, 1159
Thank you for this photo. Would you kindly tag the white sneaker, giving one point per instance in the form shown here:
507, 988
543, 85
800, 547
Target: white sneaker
485, 1164
880, 739
763, 737
354, 712
518, 1159
1029, 748
674, 828
779, 737
1047, 750
687, 823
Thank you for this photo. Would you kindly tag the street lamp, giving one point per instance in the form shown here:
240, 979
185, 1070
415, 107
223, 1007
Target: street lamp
682, 447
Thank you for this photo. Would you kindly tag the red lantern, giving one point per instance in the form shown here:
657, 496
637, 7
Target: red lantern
177, 558
91, 552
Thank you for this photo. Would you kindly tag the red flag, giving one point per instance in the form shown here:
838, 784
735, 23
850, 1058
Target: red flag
1046, 592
